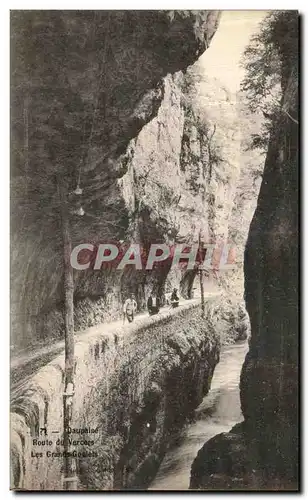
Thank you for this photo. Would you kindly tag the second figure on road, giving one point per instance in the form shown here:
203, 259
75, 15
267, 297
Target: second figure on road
129, 308
153, 304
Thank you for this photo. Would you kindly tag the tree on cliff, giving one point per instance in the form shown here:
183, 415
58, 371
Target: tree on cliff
262, 61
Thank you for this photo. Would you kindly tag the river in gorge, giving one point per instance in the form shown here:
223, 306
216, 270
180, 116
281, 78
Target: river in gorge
219, 412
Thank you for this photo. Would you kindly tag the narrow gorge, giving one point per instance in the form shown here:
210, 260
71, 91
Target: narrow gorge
128, 119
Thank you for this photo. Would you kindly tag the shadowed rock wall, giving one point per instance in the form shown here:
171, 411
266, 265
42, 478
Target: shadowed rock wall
262, 452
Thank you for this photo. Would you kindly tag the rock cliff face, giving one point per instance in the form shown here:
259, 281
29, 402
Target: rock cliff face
175, 174
262, 452
271, 284
73, 115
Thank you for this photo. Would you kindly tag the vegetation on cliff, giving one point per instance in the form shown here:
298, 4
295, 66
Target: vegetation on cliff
265, 71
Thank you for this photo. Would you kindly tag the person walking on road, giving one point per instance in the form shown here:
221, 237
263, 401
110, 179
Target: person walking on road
153, 304
174, 298
129, 309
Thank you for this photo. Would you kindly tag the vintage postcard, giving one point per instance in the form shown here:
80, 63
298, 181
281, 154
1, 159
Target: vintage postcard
154, 250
